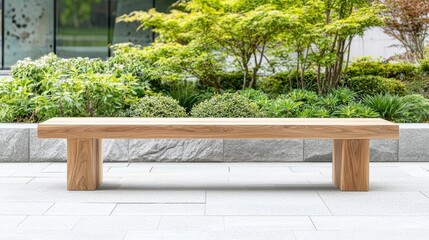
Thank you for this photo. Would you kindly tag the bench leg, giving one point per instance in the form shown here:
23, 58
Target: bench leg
84, 164
350, 164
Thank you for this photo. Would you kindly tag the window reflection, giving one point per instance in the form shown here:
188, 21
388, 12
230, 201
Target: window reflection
82, 28
127, 32
164, 5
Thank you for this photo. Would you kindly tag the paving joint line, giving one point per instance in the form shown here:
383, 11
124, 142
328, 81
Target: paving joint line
110, 214
324, 203
48, 209
125, 235
22, 221
312, 222
205, 204
76, 223
47, 166
424, 194
30, 180
159, 223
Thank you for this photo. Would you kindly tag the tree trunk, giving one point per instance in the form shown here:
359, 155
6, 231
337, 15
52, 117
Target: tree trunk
254, 77
319, 81
298, 63
245, 74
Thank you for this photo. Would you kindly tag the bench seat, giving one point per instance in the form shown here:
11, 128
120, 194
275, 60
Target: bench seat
350, 154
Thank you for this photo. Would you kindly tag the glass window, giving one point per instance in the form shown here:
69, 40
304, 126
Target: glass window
127, 32
82, 28
164, 5
29, 27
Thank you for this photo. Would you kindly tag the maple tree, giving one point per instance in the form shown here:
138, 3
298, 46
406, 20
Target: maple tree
408, 22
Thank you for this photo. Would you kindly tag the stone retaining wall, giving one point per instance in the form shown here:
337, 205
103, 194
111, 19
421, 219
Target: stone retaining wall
19, 143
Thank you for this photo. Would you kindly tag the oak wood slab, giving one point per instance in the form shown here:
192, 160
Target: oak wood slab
212, 128
350, 164
84, 164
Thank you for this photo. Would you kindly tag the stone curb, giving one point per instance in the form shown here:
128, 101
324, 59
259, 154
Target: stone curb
19, 143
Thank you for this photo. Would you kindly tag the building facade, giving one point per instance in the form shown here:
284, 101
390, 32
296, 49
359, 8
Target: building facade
86, 28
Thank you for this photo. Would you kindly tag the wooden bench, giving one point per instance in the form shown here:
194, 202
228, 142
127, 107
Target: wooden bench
350, 152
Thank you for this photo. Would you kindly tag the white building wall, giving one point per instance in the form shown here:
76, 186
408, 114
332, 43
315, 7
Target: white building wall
375, 43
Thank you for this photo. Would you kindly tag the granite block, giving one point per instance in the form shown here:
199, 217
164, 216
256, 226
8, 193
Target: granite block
14, 144
196, 150
267, 150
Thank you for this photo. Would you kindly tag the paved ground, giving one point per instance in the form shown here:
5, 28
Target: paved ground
236, 201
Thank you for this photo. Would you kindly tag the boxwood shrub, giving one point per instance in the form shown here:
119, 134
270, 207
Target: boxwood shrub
228, 105
282, 82
157, 106
424, 66
372, 85
368, 66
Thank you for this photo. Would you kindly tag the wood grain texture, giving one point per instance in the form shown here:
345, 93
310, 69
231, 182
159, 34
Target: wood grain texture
84, 164
99, 161
337, 155
350, 164
215, 128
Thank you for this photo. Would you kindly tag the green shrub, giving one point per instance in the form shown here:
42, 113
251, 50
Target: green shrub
52, 65
226, 105
283, 82
232, 80
83, 95
34, 70
16, 100
373, 85
157, 106
131, 59
260, 98
255, 95
417, 110
274, 84
389, 107
74, 66
419, 86
424, 66
77, 87
368, 66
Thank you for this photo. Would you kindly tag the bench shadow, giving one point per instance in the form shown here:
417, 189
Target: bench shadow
219, 187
